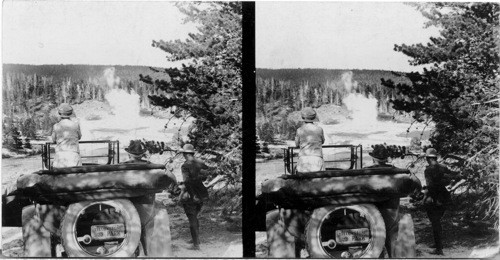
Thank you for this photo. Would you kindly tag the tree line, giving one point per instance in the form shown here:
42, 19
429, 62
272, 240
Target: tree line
304, 93
280, 92
29, 98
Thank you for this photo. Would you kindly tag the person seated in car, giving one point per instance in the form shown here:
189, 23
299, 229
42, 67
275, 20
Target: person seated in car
136, 151
66, 134
145, 205
310, 139
380, 155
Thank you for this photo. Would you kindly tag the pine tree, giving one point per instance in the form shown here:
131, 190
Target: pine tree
27, 143
16, 138
458, 92
208, 87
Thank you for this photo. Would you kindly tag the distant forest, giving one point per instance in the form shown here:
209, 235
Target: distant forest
318, 76
298, 88
282, 91
75, 72
31, 91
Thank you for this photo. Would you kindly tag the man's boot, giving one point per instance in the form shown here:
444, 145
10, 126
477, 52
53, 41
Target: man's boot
437, 251
436, 228
194, 247
195, 234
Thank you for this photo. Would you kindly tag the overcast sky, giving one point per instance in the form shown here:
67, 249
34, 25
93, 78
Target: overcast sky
337, 35
89, 32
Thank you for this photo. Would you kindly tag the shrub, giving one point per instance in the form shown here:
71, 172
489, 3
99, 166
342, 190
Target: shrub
28, 127
266, 132
289, 129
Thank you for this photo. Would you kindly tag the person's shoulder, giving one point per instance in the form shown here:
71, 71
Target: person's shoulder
57, 127
432, 168
318, 127
186, 163
199, 161
192, 162
443, 167
311, 126
75, 120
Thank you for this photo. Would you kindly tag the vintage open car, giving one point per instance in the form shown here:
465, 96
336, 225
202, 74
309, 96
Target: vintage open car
100, 209
346, 211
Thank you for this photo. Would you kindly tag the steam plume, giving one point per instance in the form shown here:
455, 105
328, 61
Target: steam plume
363, 109
125, 106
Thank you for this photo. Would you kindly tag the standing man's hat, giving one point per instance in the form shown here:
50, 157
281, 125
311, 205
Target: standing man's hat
379, 152
65, 109
431, 152
308, 114
187, 148
136, 147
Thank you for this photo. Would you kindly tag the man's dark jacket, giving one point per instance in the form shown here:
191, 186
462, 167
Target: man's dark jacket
193, 178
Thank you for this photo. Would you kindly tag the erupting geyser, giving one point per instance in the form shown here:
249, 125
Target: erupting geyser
364, 109
125, 106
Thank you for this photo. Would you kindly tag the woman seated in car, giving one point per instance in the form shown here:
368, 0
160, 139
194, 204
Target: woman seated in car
66, 134
310, 139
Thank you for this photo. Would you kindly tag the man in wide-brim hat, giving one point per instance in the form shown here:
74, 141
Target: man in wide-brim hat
437, 197
380, 156
310, 138
154, 243
136, 151
66, 134
193, 192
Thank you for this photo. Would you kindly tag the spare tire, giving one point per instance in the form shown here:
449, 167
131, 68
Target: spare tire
346, 231
114, 227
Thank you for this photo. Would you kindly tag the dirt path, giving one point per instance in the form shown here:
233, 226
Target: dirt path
216, 239
459, 240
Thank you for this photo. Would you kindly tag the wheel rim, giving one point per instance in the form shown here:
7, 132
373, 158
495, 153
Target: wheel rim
101, 228
345, 233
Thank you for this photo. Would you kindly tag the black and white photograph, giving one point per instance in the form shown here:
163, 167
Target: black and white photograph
377, 129
267, 129
121, 129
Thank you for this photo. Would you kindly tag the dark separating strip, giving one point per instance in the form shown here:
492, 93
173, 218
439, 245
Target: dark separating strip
248, 76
